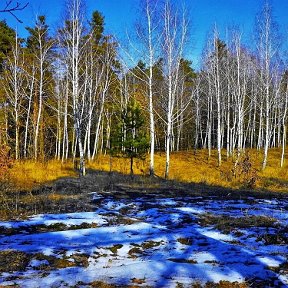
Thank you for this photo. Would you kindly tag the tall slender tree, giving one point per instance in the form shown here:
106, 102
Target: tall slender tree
267, 48
175, 29
39, 44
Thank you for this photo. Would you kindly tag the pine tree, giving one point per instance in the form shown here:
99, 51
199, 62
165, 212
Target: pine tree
7, 38
97, 26
129, 138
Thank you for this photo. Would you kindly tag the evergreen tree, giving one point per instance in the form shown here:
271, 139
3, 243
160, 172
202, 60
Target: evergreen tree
129, 138
97, 26
7, 38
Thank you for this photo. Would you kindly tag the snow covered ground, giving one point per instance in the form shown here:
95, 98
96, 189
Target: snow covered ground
154, 242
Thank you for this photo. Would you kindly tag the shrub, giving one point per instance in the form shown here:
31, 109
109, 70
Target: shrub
5, 161
244, 172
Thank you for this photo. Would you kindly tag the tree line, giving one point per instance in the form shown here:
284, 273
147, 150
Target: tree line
66, 95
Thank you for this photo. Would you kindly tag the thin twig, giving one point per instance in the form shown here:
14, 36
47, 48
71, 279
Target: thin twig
9, 8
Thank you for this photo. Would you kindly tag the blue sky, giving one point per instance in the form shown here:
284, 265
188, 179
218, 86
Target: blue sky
121, 14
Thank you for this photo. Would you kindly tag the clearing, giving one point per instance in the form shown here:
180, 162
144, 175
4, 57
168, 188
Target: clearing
105, 228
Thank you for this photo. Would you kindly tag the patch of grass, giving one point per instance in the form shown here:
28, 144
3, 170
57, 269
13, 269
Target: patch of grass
56, 197
135, 252
268, 282
115, 248
100, 284
184, 166
54, 262
226, 224
226, 284
140, 249
138, 281
63, 263
22, 204
182, 260
80, 259
234, 242
28, 174
76, 259
121, 220
41, 228
212, 262
185, 241
150, 244
196, 167
283, 268
13, 260
238, 233
273, 239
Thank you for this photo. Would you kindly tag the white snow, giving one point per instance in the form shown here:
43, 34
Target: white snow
50, 219
150, 248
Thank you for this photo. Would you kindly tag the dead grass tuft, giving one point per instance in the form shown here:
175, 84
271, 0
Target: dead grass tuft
273, 239
100, 284
80, 259
185, 241
182, 260
138, 281
226, 224
40, 228
115, 248
226, 284
150, 244
12, 260
135, 252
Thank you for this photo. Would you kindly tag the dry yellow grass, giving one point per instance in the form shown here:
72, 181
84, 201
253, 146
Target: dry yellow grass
196, 167
184, 166
27, 174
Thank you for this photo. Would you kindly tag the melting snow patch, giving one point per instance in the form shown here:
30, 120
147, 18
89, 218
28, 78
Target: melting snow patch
96, 196
271, 262
36, 263
191, 210
216, 235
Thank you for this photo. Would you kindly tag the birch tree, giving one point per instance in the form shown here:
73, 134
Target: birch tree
267, 48
214, 60
72, 43
14, 87
284, 104
175, 28
150, 9
147, 48
30, 80
105, 78
40, 45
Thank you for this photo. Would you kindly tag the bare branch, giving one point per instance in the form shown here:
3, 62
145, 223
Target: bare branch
12, 7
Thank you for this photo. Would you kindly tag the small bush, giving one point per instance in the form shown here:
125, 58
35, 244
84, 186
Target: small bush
5, 161
244, 172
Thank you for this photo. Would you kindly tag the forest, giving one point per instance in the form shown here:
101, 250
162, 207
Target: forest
123, 164
78, 93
